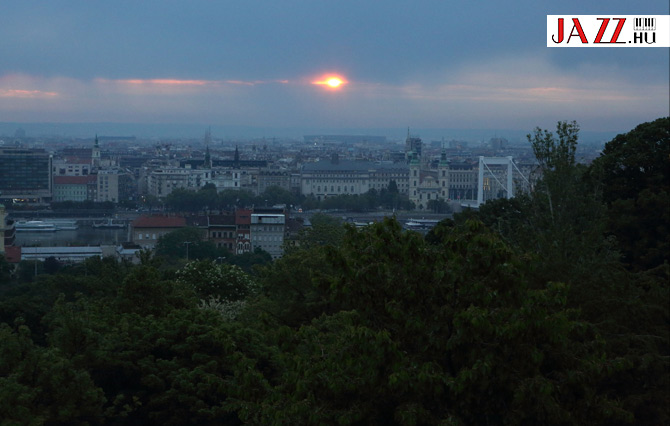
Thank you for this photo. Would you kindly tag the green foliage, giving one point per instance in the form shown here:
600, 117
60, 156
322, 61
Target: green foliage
277, 195
32, 301
251, 260
28, 270
324, 230
556, 154
5, 272
392, 330
218, 280
562, 226
40, 386
207, 198
563, 220
438, 206
51, 265
158, 357
175, 244
516, 314
184, 200
634, 169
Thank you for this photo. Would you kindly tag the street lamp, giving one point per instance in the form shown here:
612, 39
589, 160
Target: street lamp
186, 243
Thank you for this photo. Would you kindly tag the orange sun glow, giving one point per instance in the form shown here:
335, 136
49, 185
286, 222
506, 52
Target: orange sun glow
331, 81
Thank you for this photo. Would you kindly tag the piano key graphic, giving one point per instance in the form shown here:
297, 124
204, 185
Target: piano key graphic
645, 24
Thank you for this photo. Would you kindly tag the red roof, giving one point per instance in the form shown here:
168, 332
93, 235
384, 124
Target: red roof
243, 217
13, 254
74, 180
159, 222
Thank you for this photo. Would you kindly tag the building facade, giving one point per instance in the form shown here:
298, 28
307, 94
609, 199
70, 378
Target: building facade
427, 185
222, 231
146, 230
25, 175
243, 229
268, 178
161, 182
74, 188
267, 232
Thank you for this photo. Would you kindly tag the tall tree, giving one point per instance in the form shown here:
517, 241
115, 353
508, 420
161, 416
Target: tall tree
634, 169
566, 216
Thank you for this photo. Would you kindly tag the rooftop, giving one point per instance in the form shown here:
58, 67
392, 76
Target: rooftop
159, 222
349, 165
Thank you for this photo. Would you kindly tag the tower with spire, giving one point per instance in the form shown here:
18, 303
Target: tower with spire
414, 177
443, 174
412, 145
95, 153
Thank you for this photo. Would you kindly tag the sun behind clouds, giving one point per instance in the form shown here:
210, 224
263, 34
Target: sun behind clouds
331, 81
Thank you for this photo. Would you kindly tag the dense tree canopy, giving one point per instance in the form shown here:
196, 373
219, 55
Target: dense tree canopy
635, 173
520, 313
188, 243
207, 198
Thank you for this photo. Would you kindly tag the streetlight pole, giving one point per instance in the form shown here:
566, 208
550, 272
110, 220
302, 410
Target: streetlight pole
186, 243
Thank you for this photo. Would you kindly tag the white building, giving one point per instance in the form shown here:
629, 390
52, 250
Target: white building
163, 181
63, 167
267, 232
61, 254
108, 186
324, 179
227, 179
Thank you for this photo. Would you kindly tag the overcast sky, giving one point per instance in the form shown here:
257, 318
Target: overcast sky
425, 64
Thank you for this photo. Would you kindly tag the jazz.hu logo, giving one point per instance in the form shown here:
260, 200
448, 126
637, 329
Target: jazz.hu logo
608, 31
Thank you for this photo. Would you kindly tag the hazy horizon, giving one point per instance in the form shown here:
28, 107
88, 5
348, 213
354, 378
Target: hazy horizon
197, 131
270, 65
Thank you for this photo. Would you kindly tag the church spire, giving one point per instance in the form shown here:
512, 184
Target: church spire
95, 153
208, 158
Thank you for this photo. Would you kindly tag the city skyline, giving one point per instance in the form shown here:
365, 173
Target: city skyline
429, 65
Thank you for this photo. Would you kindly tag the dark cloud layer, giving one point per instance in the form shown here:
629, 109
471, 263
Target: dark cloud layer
437, 63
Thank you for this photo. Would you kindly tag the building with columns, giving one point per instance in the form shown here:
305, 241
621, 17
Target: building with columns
425, 184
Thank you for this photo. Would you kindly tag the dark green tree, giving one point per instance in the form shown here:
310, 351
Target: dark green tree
324, 230
391, 330
5, 271
41, 386
219, 280
251, 260
183, 200
566, 217
634, 170
51, 265
277, 195
158, 357
188, 243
